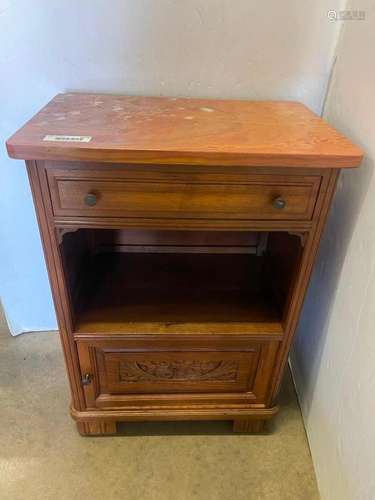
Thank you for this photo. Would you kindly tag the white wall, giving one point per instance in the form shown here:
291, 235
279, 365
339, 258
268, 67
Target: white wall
213, 48
334, 354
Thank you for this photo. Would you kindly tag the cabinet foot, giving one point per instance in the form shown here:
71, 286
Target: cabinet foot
248, 425
96, 428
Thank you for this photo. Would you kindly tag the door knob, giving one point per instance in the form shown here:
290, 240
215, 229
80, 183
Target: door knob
86, 379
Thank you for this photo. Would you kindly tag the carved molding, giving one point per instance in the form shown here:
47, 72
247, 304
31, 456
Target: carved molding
301, 235
61, 231
180, 370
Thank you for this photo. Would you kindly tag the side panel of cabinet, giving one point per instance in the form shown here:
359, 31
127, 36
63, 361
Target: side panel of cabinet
57, 281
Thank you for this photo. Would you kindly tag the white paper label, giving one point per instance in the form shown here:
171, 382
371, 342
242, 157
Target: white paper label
68, 138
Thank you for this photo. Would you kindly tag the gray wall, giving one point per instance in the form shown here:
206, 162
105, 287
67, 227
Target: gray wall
334, 354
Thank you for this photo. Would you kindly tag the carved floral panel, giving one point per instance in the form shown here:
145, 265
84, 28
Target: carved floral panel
178, 370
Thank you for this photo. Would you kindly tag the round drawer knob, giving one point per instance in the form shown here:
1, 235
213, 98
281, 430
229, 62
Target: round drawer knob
279, 203
91, 199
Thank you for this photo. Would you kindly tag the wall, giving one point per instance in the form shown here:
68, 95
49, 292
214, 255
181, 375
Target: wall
213, 48
334, 354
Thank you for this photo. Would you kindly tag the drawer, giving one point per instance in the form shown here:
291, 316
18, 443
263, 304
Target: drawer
127, 372
142, 193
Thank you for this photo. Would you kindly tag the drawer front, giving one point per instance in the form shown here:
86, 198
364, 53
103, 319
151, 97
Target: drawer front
119, 371
125, 193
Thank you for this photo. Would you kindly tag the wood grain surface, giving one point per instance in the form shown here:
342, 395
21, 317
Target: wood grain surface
183, 131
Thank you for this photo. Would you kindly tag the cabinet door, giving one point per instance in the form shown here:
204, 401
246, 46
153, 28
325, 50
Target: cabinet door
127, 372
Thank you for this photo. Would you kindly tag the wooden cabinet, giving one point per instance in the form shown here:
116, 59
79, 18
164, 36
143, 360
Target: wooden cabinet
179, 250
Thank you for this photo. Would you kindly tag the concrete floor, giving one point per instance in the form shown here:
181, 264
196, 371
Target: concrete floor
43, 457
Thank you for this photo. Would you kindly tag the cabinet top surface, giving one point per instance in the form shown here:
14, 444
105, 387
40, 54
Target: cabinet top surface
109, 128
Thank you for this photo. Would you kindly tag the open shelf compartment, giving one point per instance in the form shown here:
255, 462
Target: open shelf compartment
130, 281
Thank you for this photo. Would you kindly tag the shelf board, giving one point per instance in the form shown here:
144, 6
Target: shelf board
157, 311
174, 294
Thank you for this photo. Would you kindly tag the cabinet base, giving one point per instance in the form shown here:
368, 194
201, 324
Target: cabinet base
248, 425
96, 428
110, 428
94, 423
